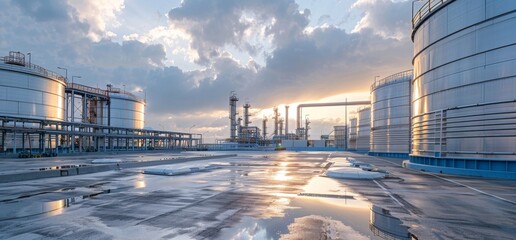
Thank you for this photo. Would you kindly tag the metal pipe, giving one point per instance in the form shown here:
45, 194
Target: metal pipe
331, 104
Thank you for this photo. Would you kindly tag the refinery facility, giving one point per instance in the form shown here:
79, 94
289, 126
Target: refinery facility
454, 113
44, 114
425, 151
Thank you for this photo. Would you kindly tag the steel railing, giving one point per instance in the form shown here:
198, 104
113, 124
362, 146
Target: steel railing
425, 10
30, 68
87, 89
397, 77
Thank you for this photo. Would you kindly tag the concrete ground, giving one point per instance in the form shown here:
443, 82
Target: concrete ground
438, 206
256, 195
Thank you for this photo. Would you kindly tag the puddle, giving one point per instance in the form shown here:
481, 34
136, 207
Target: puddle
16, 209
59, 167
325, 210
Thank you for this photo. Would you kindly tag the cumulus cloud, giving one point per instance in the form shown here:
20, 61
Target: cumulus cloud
215, 24
101, 15
385, 17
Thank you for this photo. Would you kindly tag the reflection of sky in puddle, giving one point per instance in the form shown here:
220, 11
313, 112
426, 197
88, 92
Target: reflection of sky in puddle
281, 175
348, 221
18, 209
139, 182
300, 217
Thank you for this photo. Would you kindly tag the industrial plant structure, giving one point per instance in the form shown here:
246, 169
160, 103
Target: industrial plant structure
363, 129
352, 133
41, 112
464, 88
390, 115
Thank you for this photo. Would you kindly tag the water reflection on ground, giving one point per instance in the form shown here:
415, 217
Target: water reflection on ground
310, 217
281, 196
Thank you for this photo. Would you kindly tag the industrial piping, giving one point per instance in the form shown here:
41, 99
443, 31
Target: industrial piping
332, 104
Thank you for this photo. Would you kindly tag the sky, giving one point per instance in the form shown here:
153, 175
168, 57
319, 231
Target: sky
187, 56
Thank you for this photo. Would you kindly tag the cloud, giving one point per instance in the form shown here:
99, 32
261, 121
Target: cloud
215, 24
385, 17
284, 60
100, 15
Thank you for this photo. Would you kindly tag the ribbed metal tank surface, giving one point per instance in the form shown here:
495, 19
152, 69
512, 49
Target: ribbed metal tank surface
352, 139
464, 87
30, 91
390, 115
126, 111
363, 129
340, 136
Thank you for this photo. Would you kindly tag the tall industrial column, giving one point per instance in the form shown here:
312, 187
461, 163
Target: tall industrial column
281, 126
307, 126
233, 99
276, 121
264, 127
246, 114
286, 120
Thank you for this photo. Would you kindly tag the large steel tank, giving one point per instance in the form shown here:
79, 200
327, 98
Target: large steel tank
363, 129
340, 136
390, 115
126, 110
30, 91
352, 139
464, 88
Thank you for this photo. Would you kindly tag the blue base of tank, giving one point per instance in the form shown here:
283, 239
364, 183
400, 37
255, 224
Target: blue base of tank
389, 155
488, 168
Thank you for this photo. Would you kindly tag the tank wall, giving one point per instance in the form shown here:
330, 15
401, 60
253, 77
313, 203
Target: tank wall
363, 129
340, 136
30, 96
390, 117
464, 88
352, 139
127, 113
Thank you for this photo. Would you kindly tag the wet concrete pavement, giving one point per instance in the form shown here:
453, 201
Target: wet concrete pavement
257, 195
437, 206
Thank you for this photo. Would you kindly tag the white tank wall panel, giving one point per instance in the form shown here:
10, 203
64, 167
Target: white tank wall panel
363, 129
352, 139
465, 81
390, 115
30, 95
340, 136
126, 112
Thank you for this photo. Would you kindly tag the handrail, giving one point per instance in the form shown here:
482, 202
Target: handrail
80, 87
31, 68
425, 10
397, 77
102, 92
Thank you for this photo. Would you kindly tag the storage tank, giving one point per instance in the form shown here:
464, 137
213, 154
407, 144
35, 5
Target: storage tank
126, 109
30, 91
340, 136
464, 88
390, 116
363, 129
352, 140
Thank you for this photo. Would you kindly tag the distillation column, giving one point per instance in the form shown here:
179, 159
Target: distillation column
233, 99
276, 121
247, 115
286, 120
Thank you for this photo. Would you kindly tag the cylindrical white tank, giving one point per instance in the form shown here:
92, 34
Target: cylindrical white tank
464, 88
340, 136
390, 115
126, 111
352, 139
363, 129
30, 91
